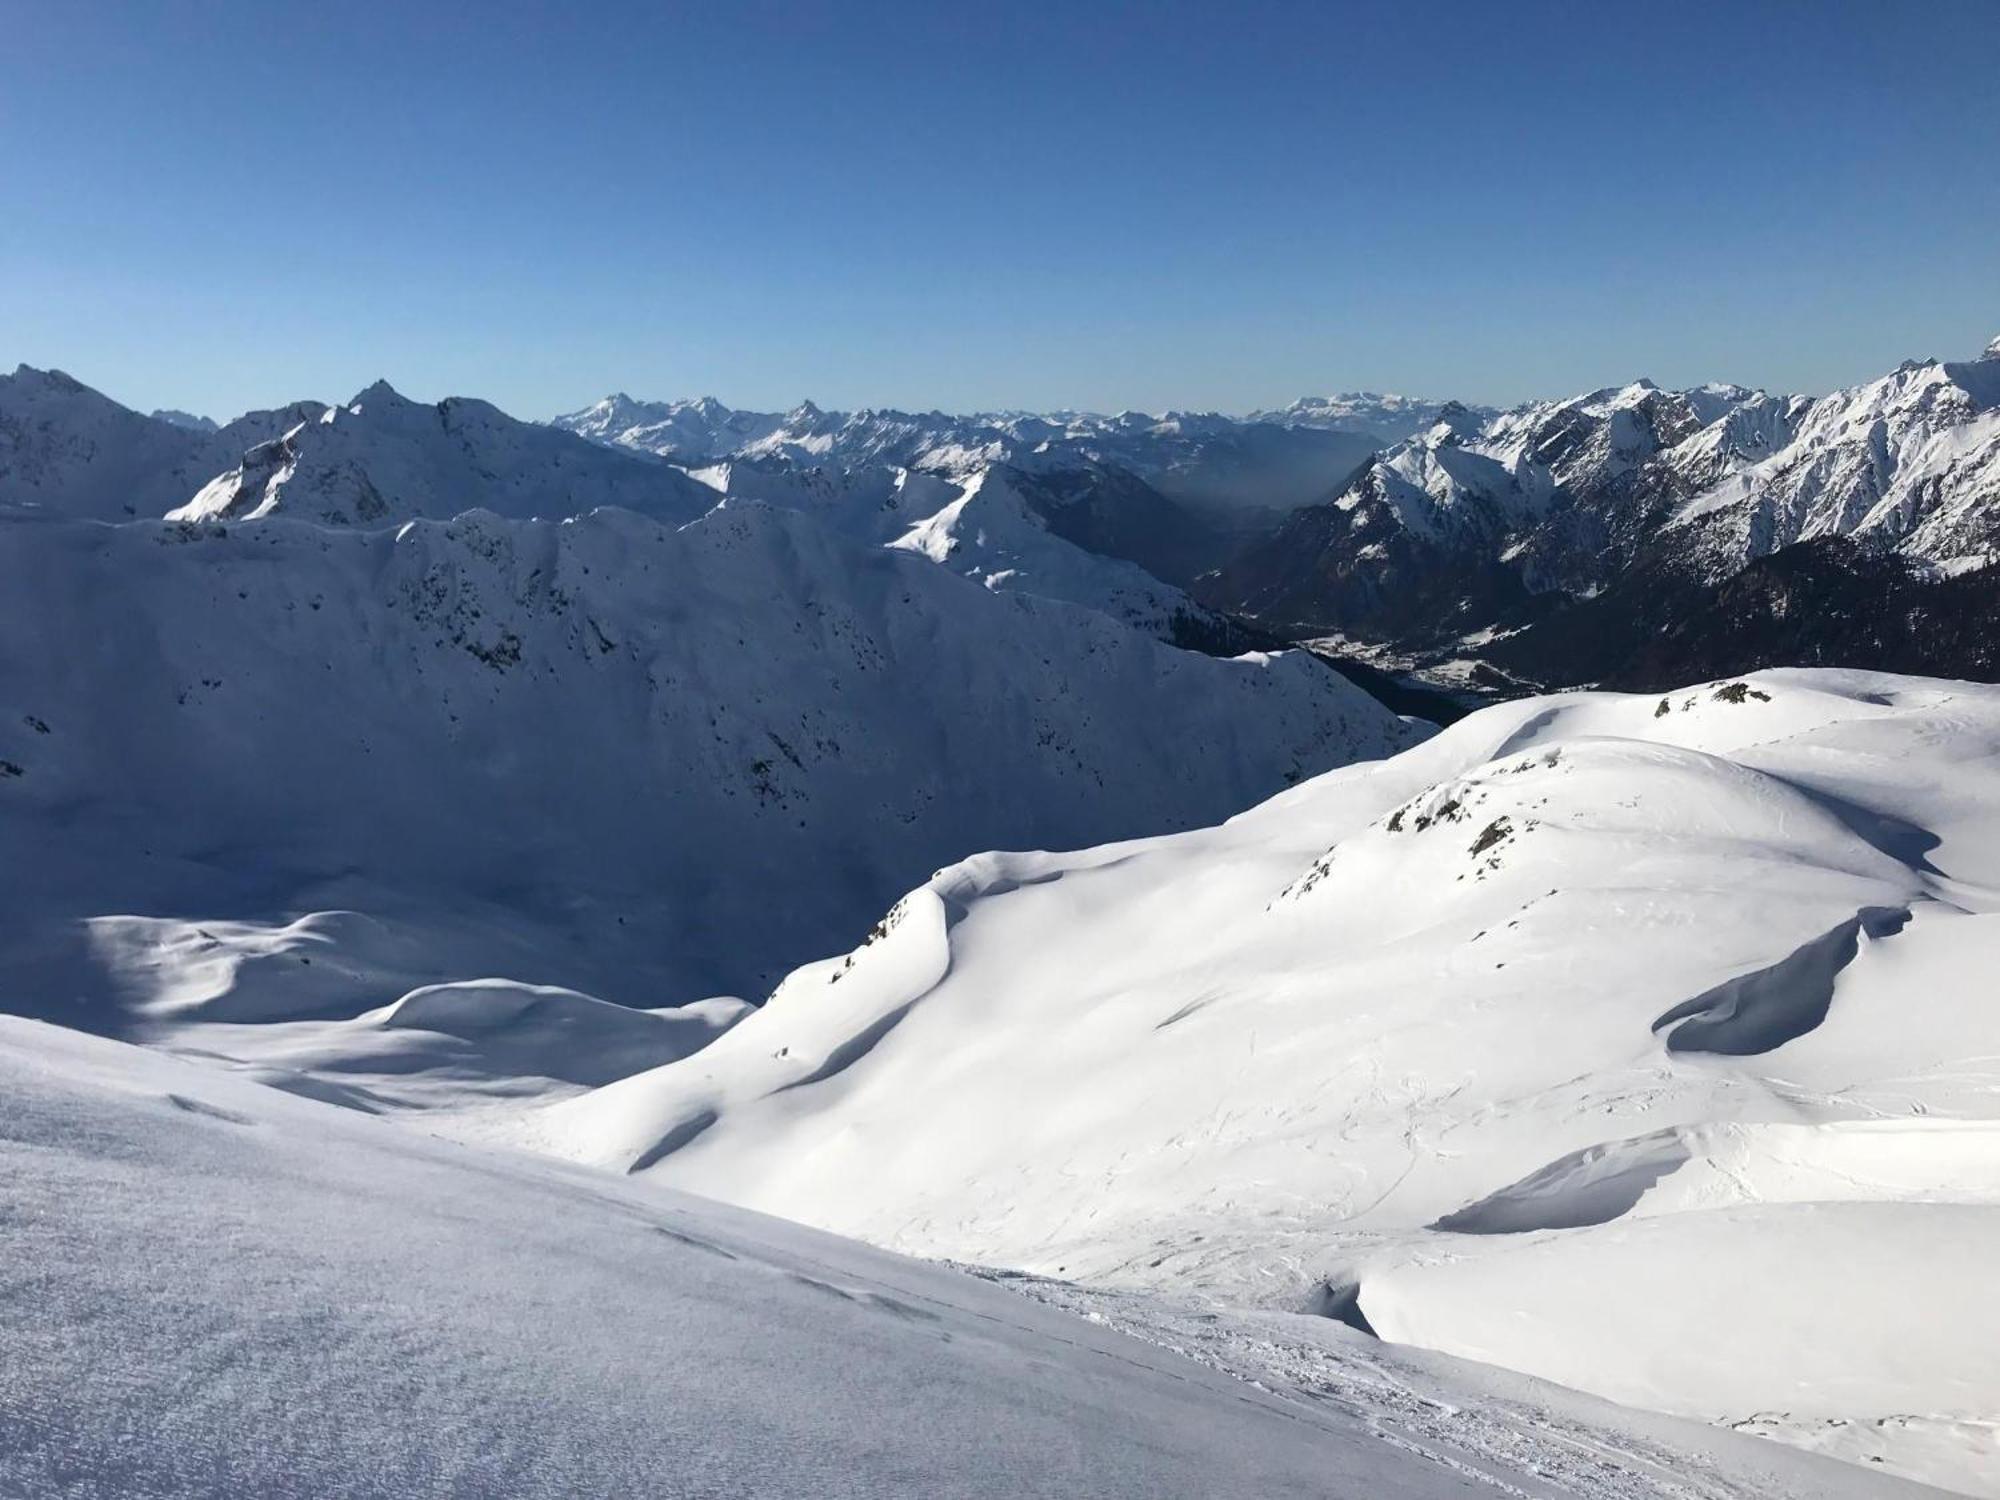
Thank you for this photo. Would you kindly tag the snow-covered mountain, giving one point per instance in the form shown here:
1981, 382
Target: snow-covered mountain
647, 763
186, 419
67, 450
1313, 1087
1010, 529
1638, 494
1590, 1016
1212, 462
1389, 417
1471, 516
1909, 463
383, 458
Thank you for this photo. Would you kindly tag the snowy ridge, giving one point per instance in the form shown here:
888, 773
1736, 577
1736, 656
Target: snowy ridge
70, 452
1910, 462
383, 458
992, 525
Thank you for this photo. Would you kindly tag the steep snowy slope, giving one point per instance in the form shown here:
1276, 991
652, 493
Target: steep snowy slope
1570, 535
1910, 462
382, 458
1588, 1018
215, 1290
647, 764
1461, 524
995, 533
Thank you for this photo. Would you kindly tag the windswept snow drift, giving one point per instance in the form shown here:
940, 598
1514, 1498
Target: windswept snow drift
1642, 1043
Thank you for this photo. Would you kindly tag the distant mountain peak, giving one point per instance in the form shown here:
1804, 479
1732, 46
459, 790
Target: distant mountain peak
380, 392
187, 419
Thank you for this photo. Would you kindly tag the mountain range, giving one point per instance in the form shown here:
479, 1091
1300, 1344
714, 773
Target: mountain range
459, 875
1556, 541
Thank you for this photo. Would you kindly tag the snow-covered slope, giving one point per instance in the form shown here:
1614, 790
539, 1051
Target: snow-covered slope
645, 763
1640, 1043
990, 534
213, 1289
382, 458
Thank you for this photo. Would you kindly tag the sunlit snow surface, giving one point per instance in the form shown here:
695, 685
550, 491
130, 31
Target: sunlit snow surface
211, 1288
1646, 1045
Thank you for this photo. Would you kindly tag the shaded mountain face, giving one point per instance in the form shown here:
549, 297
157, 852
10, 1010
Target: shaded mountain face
68, 451
668, 763
1826, 602
383, 458
1112, 511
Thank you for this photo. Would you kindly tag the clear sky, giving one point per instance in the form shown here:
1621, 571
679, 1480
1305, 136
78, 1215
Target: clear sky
221, 205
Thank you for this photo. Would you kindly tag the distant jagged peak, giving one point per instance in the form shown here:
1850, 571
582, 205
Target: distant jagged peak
186, 420
1992, 350
1387, 414
52, 379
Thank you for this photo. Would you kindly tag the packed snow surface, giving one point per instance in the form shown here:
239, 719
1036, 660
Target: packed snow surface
209, 1288
1641, 1043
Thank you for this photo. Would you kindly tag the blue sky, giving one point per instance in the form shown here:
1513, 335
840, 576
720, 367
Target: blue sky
227, 205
